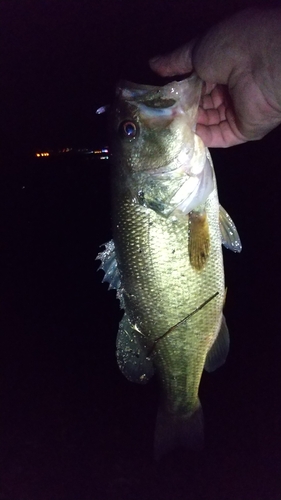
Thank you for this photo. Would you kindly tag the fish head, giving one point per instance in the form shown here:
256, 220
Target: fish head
154, 144
151, 125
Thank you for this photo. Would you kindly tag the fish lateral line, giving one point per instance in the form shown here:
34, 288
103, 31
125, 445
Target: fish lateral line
170, 330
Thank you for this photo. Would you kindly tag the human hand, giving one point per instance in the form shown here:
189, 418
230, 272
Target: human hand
239, 61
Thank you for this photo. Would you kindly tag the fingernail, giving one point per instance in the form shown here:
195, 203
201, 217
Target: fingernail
154, 59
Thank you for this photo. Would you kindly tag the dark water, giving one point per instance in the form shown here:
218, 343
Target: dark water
72, 427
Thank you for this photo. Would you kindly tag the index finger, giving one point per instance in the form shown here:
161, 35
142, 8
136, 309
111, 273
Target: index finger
219, 135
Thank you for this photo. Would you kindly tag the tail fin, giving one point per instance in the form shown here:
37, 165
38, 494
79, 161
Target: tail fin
178, 431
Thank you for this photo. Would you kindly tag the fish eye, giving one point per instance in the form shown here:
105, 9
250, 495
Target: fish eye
128, 129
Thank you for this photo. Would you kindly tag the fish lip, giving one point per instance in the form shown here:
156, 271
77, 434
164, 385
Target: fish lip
180, 91
140, 88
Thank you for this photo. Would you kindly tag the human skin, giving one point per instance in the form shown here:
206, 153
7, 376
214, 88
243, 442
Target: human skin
239, 60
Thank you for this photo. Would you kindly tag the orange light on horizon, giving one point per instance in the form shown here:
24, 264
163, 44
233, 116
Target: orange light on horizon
38, 155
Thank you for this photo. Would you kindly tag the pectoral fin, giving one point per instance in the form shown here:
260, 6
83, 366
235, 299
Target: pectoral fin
219, 350
229, 234
199, 239
133, 353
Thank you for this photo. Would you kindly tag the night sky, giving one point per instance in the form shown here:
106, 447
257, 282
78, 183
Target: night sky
71, 426
60, 60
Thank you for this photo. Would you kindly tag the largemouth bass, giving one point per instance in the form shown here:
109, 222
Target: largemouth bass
165, 259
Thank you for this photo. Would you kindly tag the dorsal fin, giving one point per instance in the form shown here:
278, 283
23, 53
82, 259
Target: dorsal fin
111, 271
229, 234
219, 350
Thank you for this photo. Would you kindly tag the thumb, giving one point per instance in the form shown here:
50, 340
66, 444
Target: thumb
177, 62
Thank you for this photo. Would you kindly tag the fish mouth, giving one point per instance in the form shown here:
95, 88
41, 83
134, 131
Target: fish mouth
126, 87
185, 93
159, 103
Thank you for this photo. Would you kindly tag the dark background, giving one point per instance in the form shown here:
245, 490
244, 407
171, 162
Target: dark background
72, 427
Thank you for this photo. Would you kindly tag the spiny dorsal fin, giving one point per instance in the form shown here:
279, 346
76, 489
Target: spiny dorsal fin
111, 271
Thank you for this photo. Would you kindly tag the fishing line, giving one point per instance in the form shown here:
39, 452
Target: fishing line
180, 322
